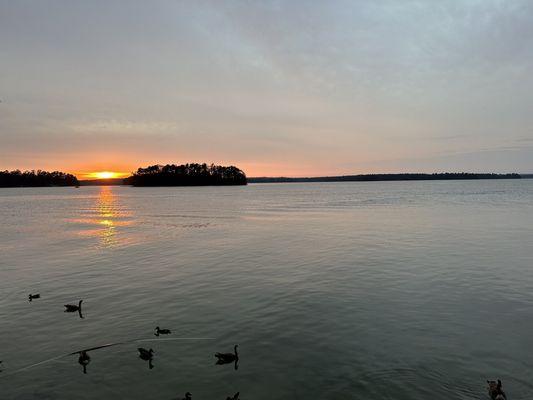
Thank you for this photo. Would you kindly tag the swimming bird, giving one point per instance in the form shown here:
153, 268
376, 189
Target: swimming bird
34, 296
83, 360
145, 354
225, 358
188, 396
84, 357
235, 397
73, 307
495, 390
159, 331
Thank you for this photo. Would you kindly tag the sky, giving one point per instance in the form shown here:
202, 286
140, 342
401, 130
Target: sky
277, 88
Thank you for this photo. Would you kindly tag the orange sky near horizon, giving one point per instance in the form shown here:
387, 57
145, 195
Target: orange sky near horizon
250, 169
93, 170
88, 170
84, 164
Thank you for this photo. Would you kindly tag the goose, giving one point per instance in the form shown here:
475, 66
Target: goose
159, 331
495, 390
34, 296
235, 397
73, 307
145, 354
84, 357
225, 358
84, 360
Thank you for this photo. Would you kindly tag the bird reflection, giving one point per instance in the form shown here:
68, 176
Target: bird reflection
235, 397
146, 355
228, 358
84, 360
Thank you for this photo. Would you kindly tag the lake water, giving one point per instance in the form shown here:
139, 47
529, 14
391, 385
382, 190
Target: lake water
379, 290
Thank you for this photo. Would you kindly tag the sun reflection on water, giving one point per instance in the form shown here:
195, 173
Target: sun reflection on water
108, 212
104, 217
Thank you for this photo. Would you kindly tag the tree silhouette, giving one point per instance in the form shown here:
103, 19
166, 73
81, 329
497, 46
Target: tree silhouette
37, 178
187, 175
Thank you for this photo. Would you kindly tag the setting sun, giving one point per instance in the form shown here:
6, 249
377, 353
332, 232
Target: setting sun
105, 175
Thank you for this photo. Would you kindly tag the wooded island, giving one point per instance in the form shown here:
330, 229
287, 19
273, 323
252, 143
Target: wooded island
187, 175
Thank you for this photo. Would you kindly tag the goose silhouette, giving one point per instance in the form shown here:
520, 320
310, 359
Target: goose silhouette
34, 296
146, 355
84, 360
495, 390
227, 358
73, 307
159, 331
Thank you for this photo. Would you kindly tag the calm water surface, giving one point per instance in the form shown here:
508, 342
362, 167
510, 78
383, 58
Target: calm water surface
394, 290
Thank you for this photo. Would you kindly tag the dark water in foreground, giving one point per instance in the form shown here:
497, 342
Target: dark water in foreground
393, 290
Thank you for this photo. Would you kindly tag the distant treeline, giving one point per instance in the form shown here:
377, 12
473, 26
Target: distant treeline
187, 175
388, 177
36, 178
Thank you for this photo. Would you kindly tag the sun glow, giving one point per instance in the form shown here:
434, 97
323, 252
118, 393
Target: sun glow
105, 175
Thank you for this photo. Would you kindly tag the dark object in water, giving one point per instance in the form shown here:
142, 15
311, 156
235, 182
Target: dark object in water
146, 355
159, 331
84, 360
73, 307
188, 396
235, 397
34, 296
226, 358
495, 390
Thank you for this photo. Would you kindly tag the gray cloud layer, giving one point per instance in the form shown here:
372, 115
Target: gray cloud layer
300, 87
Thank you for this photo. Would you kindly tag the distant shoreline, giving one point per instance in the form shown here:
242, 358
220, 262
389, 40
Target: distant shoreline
351, 178
390, 177
341, 178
